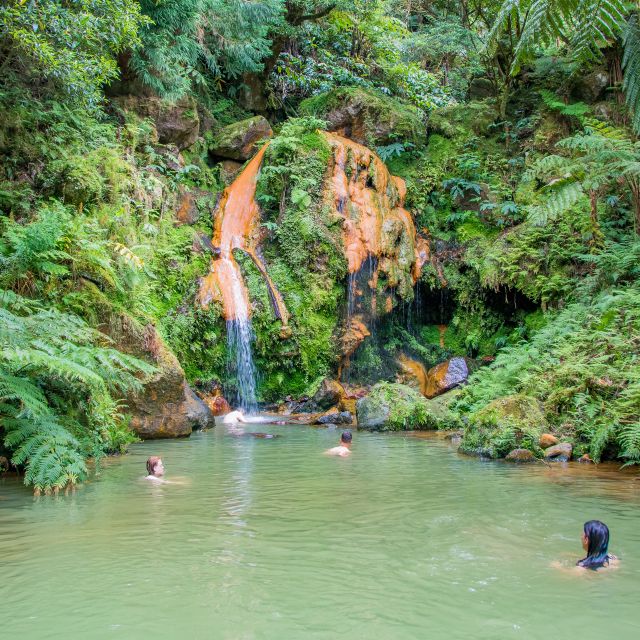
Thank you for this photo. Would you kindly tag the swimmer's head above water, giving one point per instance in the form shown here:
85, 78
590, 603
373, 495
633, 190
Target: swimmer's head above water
595, 541
346, 438
155, 467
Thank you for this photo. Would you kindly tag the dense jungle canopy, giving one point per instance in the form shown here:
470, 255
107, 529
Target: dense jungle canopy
512, 124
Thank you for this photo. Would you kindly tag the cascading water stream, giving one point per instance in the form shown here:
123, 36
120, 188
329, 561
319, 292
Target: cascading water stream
235, 222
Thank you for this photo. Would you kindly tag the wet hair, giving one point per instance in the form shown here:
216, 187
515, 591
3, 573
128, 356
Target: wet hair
346, 437
152, 463
597, 534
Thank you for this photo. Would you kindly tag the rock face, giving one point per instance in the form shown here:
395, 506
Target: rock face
559, 452
520, 455
547, 440
392, 407
366, 116
166, 407
445, 376
176, 123
238, 141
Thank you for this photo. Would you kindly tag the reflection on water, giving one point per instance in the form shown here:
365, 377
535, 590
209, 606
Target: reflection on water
271, 539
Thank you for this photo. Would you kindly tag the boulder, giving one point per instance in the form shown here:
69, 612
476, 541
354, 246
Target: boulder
239, 141
218, 405
511, 422
166, 407
368, 117
592, 85
176, 122
520, 455
547, 440
344, 417
559, 452
330, 394
445, 376
585, 459
392, 407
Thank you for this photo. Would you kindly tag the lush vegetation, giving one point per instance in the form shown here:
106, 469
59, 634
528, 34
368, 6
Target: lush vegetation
514, 125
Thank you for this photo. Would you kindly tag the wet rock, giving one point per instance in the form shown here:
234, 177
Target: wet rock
547, 440
176, 122
445, 376
559, 452
4, 464
344, 417
520, 455
239, 141
392, 407
229, 170
585, 459
354, 334
218, 405
330, 394
166, 407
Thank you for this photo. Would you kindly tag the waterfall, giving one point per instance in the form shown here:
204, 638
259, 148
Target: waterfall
240, 362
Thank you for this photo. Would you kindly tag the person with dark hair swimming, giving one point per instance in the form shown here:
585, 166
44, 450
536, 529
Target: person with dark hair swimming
344, 448
595, 541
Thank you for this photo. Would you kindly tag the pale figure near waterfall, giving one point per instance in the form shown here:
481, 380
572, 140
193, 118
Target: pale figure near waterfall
235, 417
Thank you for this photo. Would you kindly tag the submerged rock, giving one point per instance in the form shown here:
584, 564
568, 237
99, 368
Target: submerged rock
559, 452
239, 141
392, 407
445, 376
520, 455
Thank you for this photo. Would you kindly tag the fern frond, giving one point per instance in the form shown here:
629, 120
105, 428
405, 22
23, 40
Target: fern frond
631, 67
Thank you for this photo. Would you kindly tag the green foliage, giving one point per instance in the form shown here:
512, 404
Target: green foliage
196, 44
73, 43
58, 379
579, 365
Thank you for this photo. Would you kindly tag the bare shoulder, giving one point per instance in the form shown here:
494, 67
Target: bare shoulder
342, 452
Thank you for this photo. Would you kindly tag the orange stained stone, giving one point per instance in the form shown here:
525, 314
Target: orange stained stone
415, 370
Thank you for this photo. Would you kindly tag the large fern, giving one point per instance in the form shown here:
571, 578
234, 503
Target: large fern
583, 25
57, 380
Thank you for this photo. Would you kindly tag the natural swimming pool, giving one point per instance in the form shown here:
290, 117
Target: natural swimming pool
271, 539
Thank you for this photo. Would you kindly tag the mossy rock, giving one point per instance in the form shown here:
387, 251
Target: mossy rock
366, 116
239, 141
507, 423
392, 407
440, 414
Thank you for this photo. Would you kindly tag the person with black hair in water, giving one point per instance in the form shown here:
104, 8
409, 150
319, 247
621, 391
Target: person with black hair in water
344, 448
595, 541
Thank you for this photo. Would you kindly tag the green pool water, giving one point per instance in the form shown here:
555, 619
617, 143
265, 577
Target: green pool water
271, 539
